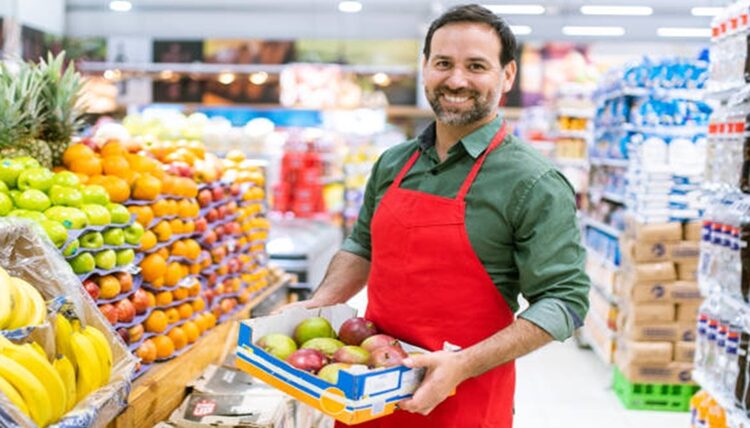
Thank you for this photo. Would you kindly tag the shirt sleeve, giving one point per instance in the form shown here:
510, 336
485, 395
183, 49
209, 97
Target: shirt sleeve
550, 257
358, 242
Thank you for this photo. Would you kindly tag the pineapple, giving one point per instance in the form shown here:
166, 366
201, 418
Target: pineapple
20, 115
61, 106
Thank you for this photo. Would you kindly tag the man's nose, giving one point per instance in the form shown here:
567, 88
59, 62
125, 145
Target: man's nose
456, 79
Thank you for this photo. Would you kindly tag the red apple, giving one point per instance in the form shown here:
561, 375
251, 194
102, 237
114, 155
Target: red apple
220, 231
310, 360
204, 198
232, 207
212, 215
210, 237
126, 310
140, 301
223, 211
209, 295
378, 341
126, 281
124, 334
218, 254
110, 313
217, 193
227, 305
355, 330
92, 289
201, 225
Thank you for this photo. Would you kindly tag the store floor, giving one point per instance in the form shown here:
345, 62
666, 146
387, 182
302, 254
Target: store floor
563, 386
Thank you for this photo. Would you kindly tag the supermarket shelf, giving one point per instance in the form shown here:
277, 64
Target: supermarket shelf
596, 224
619, 163
671, 131
576, 112
590, 252
611, 298
609, 196
569, 133
157, 393
685, 94
733, 414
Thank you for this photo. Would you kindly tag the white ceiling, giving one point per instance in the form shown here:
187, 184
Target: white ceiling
290, 19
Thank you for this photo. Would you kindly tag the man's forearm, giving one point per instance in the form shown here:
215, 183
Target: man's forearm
346, 275
516, 340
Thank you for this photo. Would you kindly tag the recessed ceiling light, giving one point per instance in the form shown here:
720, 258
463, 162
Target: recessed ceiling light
698, 32
120, 5
349, 6
516, 9
706, 11
226, 78
520, 30
573, 30
258, 78
617, 10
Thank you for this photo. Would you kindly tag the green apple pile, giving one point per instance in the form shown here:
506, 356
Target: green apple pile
315, 347
60, 204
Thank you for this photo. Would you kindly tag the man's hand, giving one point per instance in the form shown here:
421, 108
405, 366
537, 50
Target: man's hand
444, 374
306, 304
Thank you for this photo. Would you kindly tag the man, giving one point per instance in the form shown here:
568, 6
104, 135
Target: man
456, 224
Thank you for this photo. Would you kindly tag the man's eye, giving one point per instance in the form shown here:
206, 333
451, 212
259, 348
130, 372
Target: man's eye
476, 67
442, 64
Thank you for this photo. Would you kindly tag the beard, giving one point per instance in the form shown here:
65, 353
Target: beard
481, 106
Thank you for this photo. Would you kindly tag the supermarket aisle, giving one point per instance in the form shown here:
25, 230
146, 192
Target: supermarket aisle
561, 386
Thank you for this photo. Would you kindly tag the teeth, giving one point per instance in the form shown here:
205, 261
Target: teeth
455, 99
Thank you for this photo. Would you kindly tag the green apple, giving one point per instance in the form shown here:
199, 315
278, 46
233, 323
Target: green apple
119, 213
83, 263
35, 178
9, 172
14, 195
68, 196
114, 236
27, 162
31, 215
56, 232
33, 199
125, 257
66, 179
6, 204
72, 248
91, 240
98, 215
95, 194
71, 218
106, 259
4, 188
133, 233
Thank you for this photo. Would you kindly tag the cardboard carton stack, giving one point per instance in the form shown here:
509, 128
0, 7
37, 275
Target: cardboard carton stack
659, 300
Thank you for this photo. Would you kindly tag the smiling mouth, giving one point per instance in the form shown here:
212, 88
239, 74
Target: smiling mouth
455, 99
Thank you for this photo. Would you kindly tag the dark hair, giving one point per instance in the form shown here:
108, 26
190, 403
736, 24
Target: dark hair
478, 14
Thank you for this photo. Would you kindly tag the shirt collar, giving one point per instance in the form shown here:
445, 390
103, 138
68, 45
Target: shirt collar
474, 143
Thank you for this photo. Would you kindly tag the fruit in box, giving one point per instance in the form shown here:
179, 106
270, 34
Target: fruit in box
387, 356
279, 345
326, 345
310, 360
378, 341
311, 328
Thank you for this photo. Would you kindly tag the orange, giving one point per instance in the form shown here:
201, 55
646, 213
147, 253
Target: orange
153, 267
185, 208
112, 148
201, 322
178, 337
169, 185
198, 148
194, 289
199, 305
195, 269
173, 275
160, 208
163, 231
185, 310
176, 226
158, 283
164, 298
87, 166
147, 351
180, 293
118, 189
179, 248
173, 315
142, 164
146, 187
148, 240
157, 321
192, 249
76, 151
115, 165
164, 346
130, 176
210, 319
188, 188
174, 207
191, 331
188, 226
151, 299
143, 215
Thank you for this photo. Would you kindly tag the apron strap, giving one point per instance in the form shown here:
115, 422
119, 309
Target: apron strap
497, 140
405, 169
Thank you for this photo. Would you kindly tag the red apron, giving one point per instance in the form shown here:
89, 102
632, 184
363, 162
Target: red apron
427, 286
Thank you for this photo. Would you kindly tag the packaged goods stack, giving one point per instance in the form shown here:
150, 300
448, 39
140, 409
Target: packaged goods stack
641, 226
723, 327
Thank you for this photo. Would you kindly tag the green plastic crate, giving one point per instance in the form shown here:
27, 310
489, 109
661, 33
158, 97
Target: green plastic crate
648, 396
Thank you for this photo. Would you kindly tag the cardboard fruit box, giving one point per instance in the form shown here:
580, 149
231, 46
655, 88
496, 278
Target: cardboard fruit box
355, 398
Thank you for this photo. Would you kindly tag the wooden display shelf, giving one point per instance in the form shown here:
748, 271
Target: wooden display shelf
161, 390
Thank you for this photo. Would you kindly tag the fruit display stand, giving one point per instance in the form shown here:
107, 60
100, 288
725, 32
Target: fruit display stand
161, 390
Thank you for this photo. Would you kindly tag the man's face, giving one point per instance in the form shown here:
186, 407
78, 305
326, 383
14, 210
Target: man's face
463, 77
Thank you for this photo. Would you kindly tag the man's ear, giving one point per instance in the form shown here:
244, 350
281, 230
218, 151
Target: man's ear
509, 72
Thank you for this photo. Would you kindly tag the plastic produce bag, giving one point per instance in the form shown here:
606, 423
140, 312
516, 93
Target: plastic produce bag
26, 252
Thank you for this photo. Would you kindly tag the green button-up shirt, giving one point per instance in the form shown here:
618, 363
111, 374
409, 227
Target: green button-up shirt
520, 218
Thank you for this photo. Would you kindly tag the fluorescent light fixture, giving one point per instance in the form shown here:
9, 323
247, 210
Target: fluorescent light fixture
112, 74
706, 11
520, 30
349, 6
167, 75
617, 10
573, 30
226, 78
120, 5
698, 32
258, 78
381, 79
516, 9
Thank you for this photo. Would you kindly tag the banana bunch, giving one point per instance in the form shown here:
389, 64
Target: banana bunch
21, 304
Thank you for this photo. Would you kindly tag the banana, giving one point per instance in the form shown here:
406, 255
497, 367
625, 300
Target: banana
31, 389
39, 306
63, 331
68, 375
5, 299
26, 356
38, 349
89, 371
103, 351
22, 313
15, 398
